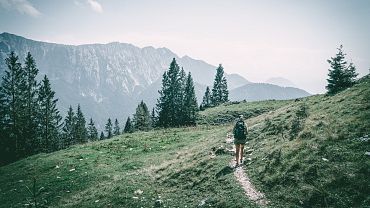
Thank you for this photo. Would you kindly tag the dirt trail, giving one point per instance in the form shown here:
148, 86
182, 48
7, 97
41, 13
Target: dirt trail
250, 191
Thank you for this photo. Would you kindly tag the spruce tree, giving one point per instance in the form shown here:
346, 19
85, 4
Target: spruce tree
220, 93
92, 132
102, 137
31, 106
80, 127
141, 117
170, 102
128, 126
50, 119
190, 107
12, 105
116, 129
69, 128
206, 103
341, 75
153, 119
109, 128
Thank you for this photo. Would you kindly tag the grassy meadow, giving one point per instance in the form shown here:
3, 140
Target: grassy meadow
302, 153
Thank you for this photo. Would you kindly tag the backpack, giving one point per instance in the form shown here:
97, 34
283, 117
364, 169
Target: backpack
239, 131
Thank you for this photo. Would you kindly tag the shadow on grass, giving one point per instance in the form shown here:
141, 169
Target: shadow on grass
226, 170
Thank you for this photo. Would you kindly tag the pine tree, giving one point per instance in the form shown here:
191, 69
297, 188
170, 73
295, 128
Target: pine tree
31, 106
69, 128
92, 132
80, 127
164, 103
340, 75
220, 93
109, 128
128, 127
141, 117
190, 107
153, 119
116, 129
206, 103
178, 103
12, 105
350, 75
170, 102
102, 137
50, 119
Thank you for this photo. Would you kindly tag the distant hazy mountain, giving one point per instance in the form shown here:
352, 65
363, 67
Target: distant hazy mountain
108, 80
280, 81
263, 91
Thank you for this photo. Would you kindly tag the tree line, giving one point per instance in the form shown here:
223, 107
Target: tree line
177, 103
30, 121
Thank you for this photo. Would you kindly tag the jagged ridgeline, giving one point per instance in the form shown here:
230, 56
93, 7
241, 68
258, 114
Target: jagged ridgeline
109, 80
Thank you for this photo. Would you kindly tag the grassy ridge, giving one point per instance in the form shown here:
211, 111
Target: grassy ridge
321, 165
325, 164
228, 112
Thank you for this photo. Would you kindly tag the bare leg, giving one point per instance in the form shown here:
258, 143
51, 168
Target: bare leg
241, 152
237, 147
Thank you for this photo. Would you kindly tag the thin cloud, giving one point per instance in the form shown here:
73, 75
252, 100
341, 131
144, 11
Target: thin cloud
95, 6
22, 6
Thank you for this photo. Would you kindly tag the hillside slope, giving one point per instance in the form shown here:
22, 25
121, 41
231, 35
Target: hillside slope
325, 162
323, 165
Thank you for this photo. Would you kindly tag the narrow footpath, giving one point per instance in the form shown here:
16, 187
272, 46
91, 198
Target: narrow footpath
250, 191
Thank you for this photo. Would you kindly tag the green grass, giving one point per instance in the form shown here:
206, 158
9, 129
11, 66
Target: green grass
228, 112
176, 166
323, 165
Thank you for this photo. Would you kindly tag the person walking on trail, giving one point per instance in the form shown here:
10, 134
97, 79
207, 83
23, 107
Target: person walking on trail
240, 138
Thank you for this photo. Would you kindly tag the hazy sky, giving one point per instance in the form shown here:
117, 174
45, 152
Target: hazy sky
256, 39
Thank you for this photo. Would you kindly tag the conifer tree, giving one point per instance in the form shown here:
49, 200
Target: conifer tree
50, 119
178, 103
117, 129
69, 128
31, 106
206, 99
128, 126
102, 137
109, 128
12, 107
141, 117
190, 107
92, 132
341, 75
153, 119
170, 102
80, 127
220, 93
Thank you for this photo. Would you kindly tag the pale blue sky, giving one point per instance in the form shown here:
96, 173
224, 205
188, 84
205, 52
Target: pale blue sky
257, 39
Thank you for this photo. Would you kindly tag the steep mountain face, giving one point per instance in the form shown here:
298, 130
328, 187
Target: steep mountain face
108, 80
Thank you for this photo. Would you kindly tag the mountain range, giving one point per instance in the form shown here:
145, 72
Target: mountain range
108, 80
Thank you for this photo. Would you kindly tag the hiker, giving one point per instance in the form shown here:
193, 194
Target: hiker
240, 138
